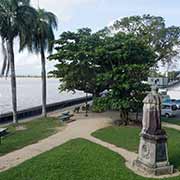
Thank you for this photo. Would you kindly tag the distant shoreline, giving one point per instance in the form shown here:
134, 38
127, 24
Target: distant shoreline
27, 77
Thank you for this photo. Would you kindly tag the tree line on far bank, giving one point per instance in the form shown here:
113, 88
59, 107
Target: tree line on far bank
116, 59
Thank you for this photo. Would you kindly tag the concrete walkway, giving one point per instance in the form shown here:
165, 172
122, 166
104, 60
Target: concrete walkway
172, 126
77, 129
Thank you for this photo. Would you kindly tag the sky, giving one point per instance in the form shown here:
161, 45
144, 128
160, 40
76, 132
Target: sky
95, 14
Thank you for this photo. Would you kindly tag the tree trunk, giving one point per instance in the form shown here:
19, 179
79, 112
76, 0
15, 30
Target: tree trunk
96, 94
10, 51
43, 76
124, 116
4, 58
137, 114
7, 69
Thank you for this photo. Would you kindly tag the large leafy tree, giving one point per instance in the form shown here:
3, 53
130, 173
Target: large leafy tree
41, 41
128, 60
17, 19
154, 32
78, 54
93, 62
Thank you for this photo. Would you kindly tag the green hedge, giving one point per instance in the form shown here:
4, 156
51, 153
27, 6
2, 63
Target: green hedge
100, 104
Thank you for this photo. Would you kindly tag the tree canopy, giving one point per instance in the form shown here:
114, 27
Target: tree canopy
42, 36
17, 20
94, 62
129, 61
153, 30
77, 53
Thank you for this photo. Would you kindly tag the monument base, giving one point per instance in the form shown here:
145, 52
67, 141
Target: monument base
158, 171
153, 155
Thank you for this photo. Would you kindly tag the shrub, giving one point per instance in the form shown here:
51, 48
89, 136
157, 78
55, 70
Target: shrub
100, 104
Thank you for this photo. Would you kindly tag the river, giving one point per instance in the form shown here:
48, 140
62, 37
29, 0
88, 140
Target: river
29, 93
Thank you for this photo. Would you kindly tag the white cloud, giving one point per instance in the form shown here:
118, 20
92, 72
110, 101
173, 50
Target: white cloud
61, 8
27, 63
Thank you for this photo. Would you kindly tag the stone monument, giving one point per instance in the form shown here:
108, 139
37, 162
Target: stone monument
153, 151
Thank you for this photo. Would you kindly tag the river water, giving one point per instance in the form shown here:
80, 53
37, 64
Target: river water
29, 93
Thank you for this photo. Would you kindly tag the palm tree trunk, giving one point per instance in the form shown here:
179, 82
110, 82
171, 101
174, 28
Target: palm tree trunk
7, 69
43, 76
4, 57
10, 51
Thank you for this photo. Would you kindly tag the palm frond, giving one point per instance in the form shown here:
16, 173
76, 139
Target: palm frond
43, 35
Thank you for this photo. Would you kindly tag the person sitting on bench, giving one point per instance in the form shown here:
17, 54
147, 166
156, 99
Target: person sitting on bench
77, 109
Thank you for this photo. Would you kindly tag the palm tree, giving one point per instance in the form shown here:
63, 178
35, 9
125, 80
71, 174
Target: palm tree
16, 20
41, 41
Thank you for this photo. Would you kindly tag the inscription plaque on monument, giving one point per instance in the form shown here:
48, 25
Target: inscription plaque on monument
153, 152
161, 152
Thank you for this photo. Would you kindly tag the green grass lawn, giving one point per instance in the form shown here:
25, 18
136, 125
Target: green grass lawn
173, 120
35, 131
76, 160
128, 138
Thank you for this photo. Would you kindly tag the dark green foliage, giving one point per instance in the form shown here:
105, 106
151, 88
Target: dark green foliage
129, 61
100, 104
173, 75
153, 31
42, 36
77, 68
94, 62
172, 120
35, 131
17, 19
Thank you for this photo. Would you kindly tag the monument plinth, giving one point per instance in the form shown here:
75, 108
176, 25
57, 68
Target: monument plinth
153, 152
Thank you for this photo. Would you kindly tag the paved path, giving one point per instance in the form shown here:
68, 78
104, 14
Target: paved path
129, 158
77, 129
169, 125
127, 155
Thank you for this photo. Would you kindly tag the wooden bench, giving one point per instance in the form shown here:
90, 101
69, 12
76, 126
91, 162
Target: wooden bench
65, 116
3, 131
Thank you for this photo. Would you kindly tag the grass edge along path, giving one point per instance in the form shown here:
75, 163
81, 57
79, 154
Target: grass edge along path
128, 138
33, 132
77, 159
171, 120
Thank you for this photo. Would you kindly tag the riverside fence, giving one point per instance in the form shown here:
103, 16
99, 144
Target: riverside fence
35, 111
